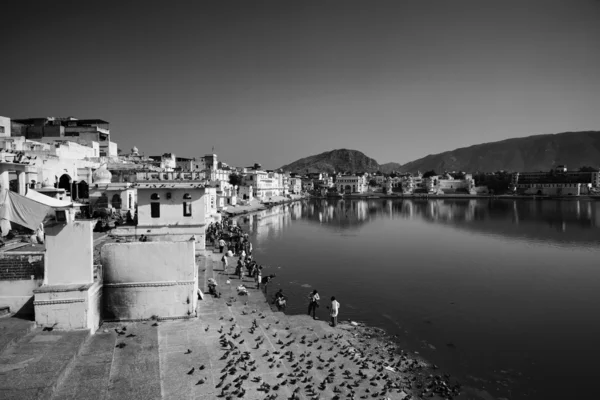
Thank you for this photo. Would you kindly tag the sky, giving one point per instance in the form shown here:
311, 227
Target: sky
275, 81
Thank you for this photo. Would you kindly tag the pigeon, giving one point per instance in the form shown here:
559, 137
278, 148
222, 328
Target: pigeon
130, 335
191, 371
121, 345
188, 352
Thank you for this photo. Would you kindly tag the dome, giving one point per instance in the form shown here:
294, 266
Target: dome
135, 151
102, 175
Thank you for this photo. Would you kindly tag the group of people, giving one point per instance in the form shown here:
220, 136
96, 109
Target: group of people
226, 235
313, 304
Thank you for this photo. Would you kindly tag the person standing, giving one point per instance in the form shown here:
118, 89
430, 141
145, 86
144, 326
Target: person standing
313, 303
335, 307
258, 277
225, 263
265, 282
221, 245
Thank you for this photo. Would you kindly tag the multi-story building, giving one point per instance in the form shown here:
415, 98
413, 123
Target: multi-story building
295, 185
556, 182
351, 184
266, 184
82, 131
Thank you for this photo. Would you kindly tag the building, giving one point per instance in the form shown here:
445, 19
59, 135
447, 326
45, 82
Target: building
115, 196
557, 182
82, 131
170, 207
295, 185
266, 184
167, 162
351, 184
188, 164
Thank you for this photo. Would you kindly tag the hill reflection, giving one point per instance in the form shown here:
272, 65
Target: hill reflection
563, 222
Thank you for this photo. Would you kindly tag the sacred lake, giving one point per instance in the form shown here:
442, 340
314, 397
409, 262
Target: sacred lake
503, 294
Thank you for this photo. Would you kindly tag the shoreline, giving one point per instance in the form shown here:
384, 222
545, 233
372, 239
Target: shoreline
366, 349
260, 206
377, 196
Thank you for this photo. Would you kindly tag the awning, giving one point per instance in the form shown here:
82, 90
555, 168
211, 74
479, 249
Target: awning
50, 201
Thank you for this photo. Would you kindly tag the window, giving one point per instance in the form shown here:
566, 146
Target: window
1, 129
187, 205
155, 210
155, 205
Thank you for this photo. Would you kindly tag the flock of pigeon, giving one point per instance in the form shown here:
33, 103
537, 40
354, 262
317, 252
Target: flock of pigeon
312, 366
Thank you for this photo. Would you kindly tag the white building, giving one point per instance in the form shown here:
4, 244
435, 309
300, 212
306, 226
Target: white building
265, 184
351, 184
295, 185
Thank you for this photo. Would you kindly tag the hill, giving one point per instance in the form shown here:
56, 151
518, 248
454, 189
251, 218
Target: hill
532, 153
340, 160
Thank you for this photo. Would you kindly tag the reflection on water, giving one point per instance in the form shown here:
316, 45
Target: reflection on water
565, 222
477, 286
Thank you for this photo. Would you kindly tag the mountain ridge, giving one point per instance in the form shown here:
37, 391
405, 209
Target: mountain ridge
529, 153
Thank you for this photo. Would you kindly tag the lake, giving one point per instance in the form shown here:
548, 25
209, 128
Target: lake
502, 294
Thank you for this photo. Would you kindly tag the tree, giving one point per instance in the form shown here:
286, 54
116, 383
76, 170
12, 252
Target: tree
588, 169
429, 173
235, 179
372, 182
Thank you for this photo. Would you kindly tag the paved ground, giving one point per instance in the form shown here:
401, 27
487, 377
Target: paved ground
237, 348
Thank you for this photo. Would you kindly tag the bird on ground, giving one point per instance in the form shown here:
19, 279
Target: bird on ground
191, 371
188, 352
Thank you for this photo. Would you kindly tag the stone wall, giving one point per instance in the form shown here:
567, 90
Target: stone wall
142, 280
19, 266
20, 274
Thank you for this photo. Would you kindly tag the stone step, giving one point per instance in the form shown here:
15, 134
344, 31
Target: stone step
106, 371
38, 363
12, 330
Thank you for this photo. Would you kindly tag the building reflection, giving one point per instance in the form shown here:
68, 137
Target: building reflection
564, 221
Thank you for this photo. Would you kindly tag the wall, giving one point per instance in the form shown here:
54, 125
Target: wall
69, 307
142, 280
69, 253
171, 210
20, 274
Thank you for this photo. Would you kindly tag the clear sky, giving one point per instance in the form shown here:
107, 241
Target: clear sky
275, 81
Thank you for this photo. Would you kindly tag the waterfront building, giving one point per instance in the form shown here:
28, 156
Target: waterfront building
295, 185
351, 184
557, 182
171, 209
266, 184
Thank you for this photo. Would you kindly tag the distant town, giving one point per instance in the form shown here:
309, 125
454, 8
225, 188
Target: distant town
75, 159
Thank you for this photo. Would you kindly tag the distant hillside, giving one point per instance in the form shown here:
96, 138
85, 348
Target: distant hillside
389, 167
340, 160
532, 153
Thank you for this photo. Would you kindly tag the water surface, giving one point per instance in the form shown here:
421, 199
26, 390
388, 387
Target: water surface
503, 294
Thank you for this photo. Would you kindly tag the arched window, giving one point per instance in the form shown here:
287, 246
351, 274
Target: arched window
187, 205
155, 205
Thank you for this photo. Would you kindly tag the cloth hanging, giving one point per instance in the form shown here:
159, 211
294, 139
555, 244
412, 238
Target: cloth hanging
22, 210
